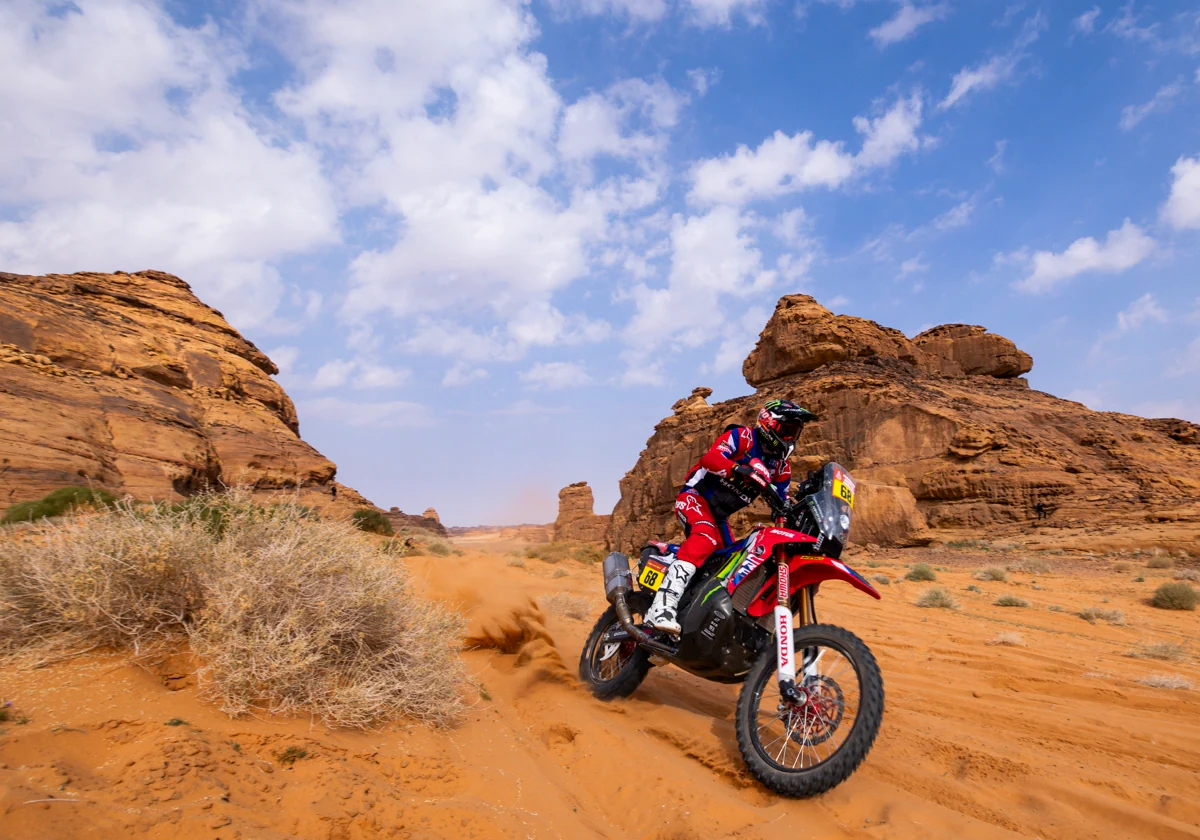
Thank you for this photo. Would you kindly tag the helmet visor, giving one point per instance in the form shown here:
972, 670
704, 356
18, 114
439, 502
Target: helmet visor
789, 430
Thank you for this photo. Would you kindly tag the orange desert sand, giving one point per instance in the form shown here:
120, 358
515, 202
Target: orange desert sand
1055, 737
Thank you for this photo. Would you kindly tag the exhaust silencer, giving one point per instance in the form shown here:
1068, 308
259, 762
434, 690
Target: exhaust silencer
618, 581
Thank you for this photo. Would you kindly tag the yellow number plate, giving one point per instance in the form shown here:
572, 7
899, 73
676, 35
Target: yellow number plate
652, 576
843, 492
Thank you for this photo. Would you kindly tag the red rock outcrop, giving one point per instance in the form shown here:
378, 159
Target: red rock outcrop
943, 435
430, 513
400, 519
577, 519
129, 382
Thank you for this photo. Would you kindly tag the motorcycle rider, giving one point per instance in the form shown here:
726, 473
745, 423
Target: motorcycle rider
731, 475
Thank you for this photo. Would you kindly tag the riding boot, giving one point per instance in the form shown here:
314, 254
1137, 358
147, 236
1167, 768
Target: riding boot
662, 612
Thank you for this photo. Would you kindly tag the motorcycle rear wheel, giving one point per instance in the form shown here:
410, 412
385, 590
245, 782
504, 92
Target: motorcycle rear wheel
616, 672
803, 751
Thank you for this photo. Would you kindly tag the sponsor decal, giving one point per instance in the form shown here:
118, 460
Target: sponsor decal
784, 627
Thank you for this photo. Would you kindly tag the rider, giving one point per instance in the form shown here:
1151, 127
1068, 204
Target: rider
731, 475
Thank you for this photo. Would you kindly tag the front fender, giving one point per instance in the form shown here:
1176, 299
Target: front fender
806, 571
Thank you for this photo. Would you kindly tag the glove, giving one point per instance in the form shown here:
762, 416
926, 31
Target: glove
755, 472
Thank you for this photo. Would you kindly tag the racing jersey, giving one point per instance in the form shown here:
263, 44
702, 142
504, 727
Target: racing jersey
714, 479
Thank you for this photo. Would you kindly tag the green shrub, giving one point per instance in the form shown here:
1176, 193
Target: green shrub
992, 573
372, 521
937, 597
1174, 596
57, 502
921, 572
1010, 601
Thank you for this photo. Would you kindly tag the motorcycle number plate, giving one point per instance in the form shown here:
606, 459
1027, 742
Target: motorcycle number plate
652, 576
843, 491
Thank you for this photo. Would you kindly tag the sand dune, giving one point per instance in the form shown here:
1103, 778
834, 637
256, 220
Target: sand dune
1054, 737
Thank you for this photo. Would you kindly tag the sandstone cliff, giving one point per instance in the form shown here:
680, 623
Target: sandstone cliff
944, 435
129, 382
400, 519
577, 519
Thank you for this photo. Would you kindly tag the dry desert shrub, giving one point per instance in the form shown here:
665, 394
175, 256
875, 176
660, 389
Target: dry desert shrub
1031, 566
1010, 601
1165, 651
516, 562
1166, 681
991, 573
921, 572
1175, 596
1159, 563
882, 579
287, 613
1093, 614
975, 589
1187, 574
1122, 567
937, 597
1008, 640
560, 573
565, 604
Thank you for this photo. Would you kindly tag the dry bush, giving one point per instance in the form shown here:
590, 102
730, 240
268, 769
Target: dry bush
1187, 574
1159, 563
287, 613
560, 573
975, 589
921, 572
565, 604
1167, 681
1174, 596
882, 579
992, 573
1122, 567
1056, 608
1008, 640
1010, 601
1093, 614
1166, 651
516, 562
1030, 565
937, 597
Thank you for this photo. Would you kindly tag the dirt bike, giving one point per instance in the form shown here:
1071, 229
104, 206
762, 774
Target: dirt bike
802, 726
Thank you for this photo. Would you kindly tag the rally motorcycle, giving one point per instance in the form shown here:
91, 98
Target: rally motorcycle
812, 696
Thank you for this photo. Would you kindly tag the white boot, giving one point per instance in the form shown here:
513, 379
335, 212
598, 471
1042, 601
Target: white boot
662, 612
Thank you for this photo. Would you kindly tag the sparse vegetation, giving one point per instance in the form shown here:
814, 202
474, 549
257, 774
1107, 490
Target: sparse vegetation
1008, 640
58, 502
1175, 596
1030, 566
1139, 579
1173, 681
992, 573
286, 613
975, 589
882, 579
372, 521
516, 562
291, 755
921, 572
1187, 574
937, 597
1166, 651
1122, 567
1056, 608
565, 604
981, 545
1010, 601
557, 552
560, 573
1159, 563
1093, 614
176, 722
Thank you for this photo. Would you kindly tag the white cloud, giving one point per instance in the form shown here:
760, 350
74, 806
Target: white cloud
738, 339
837, 302
554, 376
957, 216
783, 164
1187, 362
640, 11
375, 415
1144, 310
913, 265
907, 20
373, 375
134, 152
462, 374
1182, 210
704, 78
1085, 24
1160, 103
996, 70
285, 358
996, 161
722, 12
1121, 250
333, 374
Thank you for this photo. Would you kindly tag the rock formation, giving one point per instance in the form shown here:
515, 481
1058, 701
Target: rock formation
400, 519
130, 383
577, 519
944, 436
430, 513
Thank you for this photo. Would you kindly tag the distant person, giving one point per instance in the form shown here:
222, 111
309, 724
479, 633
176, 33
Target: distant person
333, 492
1040, 507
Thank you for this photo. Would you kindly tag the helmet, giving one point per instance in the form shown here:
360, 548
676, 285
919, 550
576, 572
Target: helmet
779, 424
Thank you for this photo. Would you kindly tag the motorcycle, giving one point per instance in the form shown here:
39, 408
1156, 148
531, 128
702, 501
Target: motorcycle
811, 701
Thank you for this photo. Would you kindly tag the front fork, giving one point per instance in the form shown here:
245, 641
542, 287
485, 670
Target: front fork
785, 650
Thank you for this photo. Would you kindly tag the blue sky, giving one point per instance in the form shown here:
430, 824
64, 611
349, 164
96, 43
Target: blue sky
491, 242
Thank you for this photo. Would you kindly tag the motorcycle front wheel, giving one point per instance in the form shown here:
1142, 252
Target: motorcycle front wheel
614, 669
803, 749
